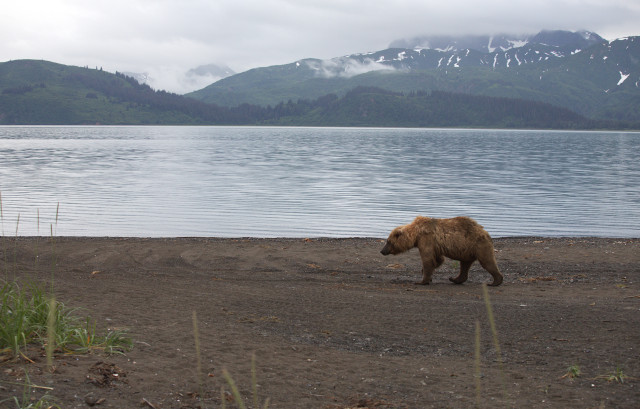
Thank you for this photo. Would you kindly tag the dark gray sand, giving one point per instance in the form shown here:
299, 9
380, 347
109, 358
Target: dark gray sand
334, 324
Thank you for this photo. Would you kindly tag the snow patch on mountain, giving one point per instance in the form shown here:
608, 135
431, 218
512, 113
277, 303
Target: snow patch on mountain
623, 77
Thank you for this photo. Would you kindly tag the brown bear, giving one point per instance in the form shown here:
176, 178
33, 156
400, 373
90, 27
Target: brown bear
459, 238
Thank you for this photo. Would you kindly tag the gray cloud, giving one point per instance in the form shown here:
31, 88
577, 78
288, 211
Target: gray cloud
345, 67
166, 38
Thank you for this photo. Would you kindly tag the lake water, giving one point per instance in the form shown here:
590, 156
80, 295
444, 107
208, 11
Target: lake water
314, 182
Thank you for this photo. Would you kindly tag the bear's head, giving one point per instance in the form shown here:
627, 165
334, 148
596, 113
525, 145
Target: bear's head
398, 242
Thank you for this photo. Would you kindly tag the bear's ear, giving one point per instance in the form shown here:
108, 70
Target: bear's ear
397, 233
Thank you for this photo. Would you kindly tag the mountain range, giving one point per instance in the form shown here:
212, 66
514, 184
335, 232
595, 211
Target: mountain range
579, 71
554, 79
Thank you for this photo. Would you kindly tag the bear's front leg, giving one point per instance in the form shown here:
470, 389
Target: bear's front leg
426, 277
429, 264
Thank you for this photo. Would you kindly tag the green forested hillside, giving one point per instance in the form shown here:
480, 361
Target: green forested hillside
374, 107
40, 92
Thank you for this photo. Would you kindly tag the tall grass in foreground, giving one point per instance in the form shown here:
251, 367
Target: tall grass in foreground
28, 401
235, 392
3, 257
29, 316
496, 344
32, 318
237, 397
477, 367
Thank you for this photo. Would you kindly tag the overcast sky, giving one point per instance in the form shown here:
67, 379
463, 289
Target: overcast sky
165, 38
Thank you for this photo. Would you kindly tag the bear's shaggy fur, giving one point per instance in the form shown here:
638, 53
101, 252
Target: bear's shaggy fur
459, 238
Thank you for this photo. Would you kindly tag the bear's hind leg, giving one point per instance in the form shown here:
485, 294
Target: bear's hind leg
464, 272
492, 267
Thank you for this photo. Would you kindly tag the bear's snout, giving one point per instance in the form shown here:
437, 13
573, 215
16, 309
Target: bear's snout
386, 249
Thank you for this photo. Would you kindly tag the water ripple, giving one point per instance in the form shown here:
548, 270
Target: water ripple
310, 182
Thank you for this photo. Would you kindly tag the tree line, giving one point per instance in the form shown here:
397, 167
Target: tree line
362, 106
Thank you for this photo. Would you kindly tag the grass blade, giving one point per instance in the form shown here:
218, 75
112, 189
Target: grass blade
478, 373
496, 343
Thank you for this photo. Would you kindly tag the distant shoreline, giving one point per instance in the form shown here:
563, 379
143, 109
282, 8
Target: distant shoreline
292, 238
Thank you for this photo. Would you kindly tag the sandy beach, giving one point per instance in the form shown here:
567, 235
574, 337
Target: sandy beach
334, 324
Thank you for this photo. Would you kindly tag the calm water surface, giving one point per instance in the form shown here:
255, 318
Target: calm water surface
311, 182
